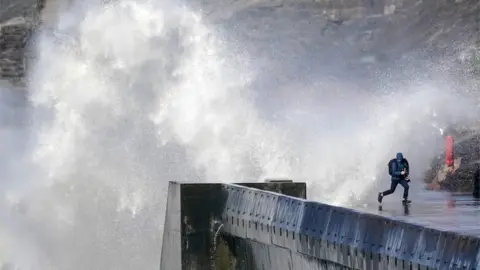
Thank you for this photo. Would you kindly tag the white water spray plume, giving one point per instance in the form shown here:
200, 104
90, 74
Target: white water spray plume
129, 95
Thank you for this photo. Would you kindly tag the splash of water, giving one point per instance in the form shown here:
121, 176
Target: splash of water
129, 95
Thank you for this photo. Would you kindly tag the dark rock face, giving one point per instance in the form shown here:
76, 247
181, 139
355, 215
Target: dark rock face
467, 158
363, 43
19, 19
13, 40
367, 35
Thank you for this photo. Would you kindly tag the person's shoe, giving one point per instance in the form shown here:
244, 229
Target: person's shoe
380, 197
406, 201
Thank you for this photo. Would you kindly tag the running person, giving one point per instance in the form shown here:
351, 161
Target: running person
399, 169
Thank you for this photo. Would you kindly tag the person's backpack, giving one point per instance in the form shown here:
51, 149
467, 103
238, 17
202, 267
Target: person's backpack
390, 169
404, 161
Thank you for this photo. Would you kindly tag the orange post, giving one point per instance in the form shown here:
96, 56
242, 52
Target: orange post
449, 151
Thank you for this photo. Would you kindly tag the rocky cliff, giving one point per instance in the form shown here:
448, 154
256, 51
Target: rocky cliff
366, 32
19, 19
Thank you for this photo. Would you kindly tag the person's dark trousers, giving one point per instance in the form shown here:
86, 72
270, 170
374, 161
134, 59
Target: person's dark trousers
393, 186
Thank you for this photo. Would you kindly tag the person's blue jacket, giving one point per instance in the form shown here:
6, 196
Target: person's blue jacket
398, 166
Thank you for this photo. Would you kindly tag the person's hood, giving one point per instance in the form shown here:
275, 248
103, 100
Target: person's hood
399, 156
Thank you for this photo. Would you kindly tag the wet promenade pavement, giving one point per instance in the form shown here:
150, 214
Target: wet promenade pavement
439, 210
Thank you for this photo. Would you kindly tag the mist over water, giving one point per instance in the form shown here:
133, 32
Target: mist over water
129, 95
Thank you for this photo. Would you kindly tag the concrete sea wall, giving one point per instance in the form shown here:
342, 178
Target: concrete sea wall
259, 229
